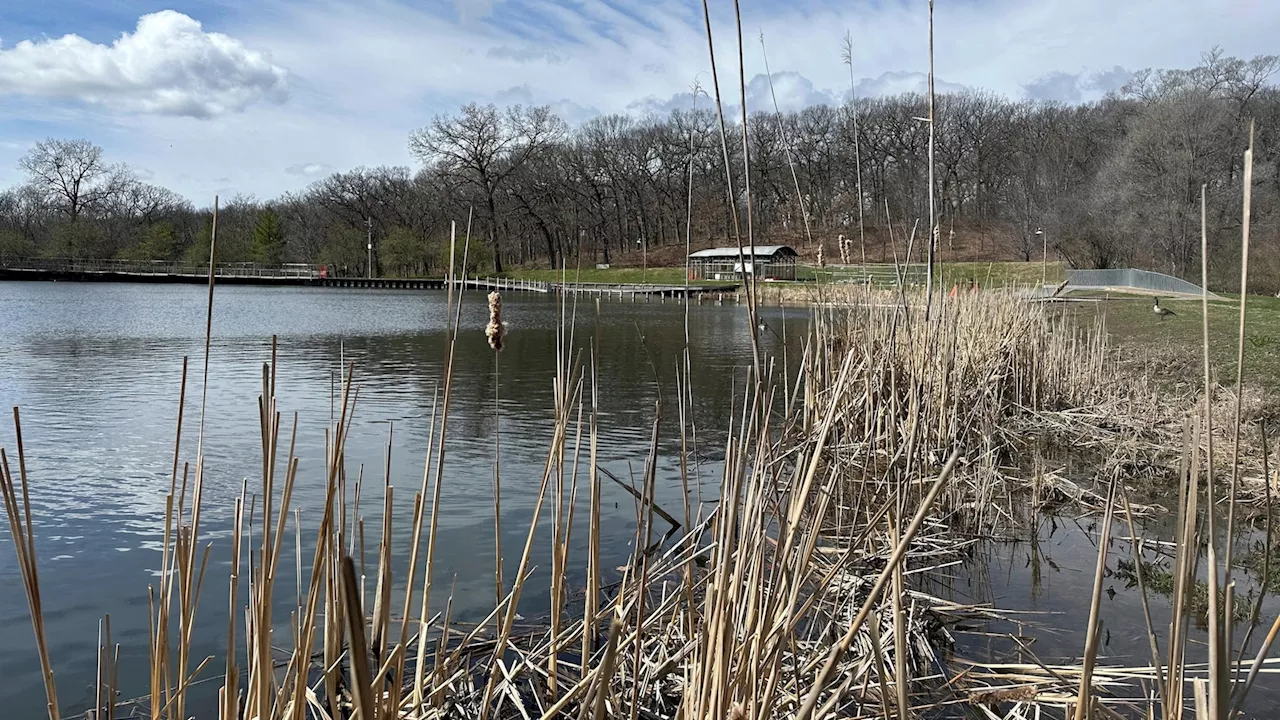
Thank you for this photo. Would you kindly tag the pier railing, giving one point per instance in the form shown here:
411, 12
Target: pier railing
113, 266
620, 290
316, 275
512, 285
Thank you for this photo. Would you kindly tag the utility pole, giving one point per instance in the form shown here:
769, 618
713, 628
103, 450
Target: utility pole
1044, 258
368, 223
933, 222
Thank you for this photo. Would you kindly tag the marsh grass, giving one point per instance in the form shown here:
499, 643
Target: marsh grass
800, 592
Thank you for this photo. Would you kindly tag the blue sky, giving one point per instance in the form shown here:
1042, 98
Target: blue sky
245, 96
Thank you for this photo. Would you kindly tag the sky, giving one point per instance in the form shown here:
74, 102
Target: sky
241, 96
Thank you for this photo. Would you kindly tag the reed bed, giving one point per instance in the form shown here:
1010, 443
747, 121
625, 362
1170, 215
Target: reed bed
798, 592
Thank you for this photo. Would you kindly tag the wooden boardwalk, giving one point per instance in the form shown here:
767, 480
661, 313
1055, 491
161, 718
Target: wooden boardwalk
234, 274
313, 276
621, 291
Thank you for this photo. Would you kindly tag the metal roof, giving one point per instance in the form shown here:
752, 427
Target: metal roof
759, 251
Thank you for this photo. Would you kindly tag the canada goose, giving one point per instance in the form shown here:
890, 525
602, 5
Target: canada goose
1162, 312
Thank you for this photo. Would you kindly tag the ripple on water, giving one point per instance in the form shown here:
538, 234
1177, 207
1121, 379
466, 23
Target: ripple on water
97, 370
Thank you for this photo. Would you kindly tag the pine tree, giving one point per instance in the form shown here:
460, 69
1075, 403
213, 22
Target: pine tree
268, 238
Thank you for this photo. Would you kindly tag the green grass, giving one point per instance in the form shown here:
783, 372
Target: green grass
1131, 322
1002, 274
986, 274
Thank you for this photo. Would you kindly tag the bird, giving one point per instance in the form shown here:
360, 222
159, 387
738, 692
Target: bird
1162, 312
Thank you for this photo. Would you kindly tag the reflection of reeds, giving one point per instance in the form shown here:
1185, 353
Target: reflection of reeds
795, 595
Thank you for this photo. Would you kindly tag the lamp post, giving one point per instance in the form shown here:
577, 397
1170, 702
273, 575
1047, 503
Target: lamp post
1044, 257
368, 222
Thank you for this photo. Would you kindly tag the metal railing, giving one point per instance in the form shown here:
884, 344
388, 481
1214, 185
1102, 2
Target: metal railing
874, 274
112, 266
501, 284
1131, 278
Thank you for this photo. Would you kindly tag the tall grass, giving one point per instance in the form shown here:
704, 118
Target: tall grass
798, 593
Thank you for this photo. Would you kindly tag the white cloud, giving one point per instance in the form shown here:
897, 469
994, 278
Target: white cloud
792, 90
1076, 87
167, 66
307, 170
899, 83
362, 75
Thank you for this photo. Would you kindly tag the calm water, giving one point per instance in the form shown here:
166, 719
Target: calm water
96, 370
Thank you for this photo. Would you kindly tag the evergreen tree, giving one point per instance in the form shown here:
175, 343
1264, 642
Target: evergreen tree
268, 238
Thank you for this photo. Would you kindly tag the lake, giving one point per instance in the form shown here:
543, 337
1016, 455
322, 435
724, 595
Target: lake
96, 370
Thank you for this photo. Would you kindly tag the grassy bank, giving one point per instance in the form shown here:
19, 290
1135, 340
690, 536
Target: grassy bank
1174, 343
987, 274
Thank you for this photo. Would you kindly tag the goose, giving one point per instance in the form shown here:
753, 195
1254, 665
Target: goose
1162, 312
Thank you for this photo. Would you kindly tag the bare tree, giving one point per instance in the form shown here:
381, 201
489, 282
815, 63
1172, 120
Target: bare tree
482, 147
1113, 181
72, 175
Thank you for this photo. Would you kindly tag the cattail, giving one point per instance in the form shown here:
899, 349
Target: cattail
496, 329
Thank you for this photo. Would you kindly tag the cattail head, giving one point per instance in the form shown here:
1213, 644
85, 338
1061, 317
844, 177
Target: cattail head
495, 329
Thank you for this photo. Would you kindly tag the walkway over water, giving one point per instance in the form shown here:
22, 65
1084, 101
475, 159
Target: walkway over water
301, 274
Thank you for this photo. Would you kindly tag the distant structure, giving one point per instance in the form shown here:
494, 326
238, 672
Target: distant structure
771, 262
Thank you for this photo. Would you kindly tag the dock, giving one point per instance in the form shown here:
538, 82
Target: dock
620, 291
306, 275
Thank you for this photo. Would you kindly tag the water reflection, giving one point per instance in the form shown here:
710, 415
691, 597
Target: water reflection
97, 371
1043, 589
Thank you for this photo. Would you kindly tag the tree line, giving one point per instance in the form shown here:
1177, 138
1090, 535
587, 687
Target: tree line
1111, 183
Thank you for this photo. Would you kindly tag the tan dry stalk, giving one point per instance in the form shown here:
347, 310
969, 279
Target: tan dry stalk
753, 292
901, 674
358, 648
416, 538
1235, 433
1146, 606
791, 164
933, 219
17, 506
1084, 698
899, 551
189, 584
591, 600
857, 152
452, 331
729, 192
